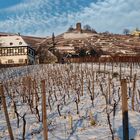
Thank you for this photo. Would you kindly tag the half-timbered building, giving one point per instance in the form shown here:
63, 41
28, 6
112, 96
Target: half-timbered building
14, 50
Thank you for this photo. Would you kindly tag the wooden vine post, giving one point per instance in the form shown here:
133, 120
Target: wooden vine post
82, 82
99, 65
112, 66
89, 84
92, 121
134, 92
70, 120
44, 112
131, 71
124, 109
104, 68
93, 86
6, 112
109, 89
120, 71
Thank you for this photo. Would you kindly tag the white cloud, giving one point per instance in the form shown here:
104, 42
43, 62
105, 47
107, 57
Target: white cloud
42, 17
112, 15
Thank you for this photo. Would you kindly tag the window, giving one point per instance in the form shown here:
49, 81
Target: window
10, 61
11, 43
10, 51
21, 61
20, 43
31, 52
3, 51
21, 50
26, 61
16, 51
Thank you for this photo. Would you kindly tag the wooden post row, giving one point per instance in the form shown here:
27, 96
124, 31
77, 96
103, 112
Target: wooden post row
44, 112
6, 112
124, 109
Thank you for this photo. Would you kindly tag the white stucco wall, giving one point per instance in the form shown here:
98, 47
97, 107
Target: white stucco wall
4, 59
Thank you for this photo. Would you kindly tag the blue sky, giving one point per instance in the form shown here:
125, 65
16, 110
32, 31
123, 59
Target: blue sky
42, 17
7, 3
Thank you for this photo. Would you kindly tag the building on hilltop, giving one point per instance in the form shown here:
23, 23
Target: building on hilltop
14, 50
78, 27
136, 33
78, 32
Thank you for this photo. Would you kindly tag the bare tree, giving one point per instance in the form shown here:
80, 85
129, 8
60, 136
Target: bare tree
87, 27
126, 31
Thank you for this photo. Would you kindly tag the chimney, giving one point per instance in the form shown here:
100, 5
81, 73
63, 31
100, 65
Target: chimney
78, 27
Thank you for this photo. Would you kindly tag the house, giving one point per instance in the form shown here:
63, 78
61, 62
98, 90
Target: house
14, 50
66, 49
136, 33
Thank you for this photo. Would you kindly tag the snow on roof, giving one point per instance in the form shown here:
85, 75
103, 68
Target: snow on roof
12, 41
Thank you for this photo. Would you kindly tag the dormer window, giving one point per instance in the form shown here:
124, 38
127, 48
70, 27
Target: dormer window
11, 43
20, 43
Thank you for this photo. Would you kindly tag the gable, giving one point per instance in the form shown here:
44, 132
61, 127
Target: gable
12, 41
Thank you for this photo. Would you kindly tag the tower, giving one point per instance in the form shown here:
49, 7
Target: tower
78, 27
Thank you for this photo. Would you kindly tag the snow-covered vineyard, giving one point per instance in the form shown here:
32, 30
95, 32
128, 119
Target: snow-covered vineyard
83, 101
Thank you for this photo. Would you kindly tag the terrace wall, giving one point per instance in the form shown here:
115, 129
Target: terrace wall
107, 59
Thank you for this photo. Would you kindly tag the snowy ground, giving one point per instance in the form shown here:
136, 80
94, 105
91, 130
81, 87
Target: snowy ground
65, 81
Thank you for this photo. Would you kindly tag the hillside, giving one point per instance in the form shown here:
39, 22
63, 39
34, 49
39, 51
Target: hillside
73, 41
108, 43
